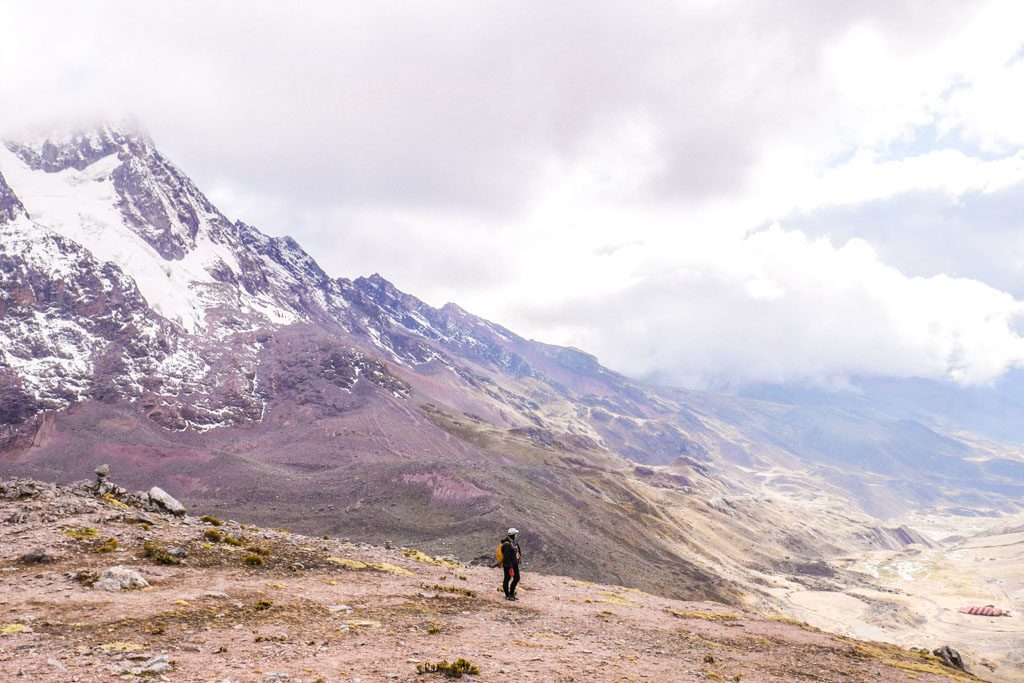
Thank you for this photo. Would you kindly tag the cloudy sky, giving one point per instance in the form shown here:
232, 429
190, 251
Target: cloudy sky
698, 192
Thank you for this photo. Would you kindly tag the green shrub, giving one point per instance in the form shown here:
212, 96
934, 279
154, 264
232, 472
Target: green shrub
213, 521
231, 540
456, 669
262, 605
253, 560
213, 536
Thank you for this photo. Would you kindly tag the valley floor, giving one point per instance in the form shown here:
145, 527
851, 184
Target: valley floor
326, 610
914, 596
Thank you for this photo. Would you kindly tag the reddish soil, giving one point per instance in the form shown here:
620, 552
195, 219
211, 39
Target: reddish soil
334, 620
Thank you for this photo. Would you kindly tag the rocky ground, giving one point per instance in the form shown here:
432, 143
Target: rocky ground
94, 589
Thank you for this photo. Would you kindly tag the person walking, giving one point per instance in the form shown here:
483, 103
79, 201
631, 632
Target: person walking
510, 555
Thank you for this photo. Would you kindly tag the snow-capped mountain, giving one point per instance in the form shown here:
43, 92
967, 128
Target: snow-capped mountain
142, 327
197, 290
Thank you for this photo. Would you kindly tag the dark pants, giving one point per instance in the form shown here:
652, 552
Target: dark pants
511, 580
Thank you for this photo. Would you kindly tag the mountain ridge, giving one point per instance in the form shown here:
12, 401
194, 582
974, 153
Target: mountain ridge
176, 341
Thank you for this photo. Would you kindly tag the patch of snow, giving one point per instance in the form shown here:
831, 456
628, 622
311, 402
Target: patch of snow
83, 206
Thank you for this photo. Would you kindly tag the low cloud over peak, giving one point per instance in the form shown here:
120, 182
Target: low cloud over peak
698, 192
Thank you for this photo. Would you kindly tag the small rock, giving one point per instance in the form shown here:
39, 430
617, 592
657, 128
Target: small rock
151, 667
219, 595
119, 578
157, 665
949, 657
165, 501
339, 608
180, 553
37, 556
140, 517
17, 517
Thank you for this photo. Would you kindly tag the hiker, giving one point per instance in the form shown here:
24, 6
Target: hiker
509, 555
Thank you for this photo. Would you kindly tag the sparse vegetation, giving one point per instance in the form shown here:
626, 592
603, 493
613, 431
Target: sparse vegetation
258, 550
86, 578
457, 669
213, 536
707, 616
231, 540
455, 590
414, 554
252, 560
158, 554
110, 500
107, 546
434, 628
211, 520
81, 533
262, 605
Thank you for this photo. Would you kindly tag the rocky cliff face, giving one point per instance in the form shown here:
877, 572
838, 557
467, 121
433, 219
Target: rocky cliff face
10, 206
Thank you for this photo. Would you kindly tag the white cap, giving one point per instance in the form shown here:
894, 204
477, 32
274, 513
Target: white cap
513, 531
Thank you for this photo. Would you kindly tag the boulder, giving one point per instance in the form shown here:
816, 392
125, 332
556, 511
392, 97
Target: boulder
163, 500
120, 578
949, 657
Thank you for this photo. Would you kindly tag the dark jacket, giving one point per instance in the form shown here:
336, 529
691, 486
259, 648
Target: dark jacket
510, 553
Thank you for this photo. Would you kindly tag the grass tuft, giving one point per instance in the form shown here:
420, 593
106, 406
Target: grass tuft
414, 554
455, 590
110, 500
252, 560
81, 532
707, 616
158, 554
457, 669
107, 546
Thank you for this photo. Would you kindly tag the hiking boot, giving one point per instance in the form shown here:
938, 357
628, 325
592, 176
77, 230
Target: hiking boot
512, 597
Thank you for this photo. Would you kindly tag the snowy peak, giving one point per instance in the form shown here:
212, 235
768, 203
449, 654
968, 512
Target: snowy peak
59, 150
109, 190
157, 201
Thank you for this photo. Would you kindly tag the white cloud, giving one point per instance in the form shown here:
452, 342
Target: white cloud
779, 306
601, 174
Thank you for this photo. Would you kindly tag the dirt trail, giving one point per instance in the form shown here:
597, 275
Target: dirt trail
327, 610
